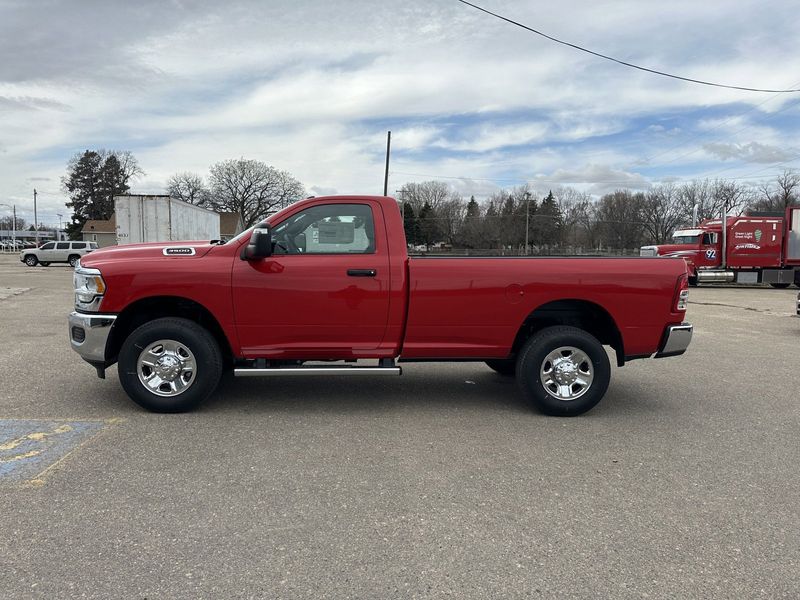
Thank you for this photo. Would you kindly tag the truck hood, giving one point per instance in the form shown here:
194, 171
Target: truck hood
167, 250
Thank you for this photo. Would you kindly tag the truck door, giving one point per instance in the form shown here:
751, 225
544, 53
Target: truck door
324, 292
709, 250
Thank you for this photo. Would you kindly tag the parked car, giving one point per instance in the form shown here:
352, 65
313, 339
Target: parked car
52, 252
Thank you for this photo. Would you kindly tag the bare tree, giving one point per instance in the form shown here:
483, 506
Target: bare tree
128, 165
620, 216
432, 193
451, 212
251, 188
661, 212
732, 195
776, 195
188, 187
576, 210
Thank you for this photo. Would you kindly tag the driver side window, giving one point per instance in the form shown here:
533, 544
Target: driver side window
327, 229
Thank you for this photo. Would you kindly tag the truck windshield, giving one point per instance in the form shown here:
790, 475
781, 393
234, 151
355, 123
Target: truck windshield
685, 240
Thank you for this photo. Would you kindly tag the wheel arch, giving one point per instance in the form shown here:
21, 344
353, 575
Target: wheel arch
583, 314
157, 307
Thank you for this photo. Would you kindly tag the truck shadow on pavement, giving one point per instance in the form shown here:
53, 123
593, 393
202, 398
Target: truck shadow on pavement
478, 389
367, 395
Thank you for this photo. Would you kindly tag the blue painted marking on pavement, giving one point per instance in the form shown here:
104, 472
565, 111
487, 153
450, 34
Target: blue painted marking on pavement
29, 447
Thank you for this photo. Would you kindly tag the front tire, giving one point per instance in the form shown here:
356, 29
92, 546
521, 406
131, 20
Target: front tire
45, 264
31, 260
563, 371
780, 286
170, 365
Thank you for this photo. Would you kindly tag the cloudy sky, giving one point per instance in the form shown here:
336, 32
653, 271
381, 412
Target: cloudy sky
312, 86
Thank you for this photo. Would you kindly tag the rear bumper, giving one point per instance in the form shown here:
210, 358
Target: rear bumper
88, 335
675, 341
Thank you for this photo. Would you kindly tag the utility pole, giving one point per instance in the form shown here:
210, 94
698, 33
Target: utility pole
386, 174
35, 219
60, 229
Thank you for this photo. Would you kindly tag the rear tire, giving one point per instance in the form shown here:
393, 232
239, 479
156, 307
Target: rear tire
503, 366
31, 260
45, 264
73, 260
170, 365
563, 371
780, 286
693, 281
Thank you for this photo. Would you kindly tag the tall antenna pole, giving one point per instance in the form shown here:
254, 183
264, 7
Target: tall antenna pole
35, 219
386, 175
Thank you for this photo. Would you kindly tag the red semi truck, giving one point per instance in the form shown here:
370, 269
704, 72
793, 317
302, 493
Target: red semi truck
327, 282
751, 249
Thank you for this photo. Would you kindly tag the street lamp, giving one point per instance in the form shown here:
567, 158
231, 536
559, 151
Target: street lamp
13, 224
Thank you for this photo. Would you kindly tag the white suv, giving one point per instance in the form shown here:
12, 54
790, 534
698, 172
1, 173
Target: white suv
51, 252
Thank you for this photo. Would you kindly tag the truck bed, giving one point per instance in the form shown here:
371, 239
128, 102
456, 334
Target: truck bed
462, 307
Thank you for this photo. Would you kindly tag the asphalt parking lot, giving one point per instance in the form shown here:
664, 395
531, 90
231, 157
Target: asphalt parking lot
682, 483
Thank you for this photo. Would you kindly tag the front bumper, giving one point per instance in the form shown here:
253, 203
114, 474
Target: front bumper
88, 334
676, 340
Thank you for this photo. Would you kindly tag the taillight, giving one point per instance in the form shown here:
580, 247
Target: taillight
682, 293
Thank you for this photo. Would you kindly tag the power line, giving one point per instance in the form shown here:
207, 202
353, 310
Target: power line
599, 181
622, 62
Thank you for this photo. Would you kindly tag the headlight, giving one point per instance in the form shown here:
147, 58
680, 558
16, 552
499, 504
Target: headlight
89, 288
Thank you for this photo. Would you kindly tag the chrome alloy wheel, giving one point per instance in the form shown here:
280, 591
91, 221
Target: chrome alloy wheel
166, 368
566, 373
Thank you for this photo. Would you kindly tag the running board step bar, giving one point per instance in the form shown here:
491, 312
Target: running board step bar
305, 371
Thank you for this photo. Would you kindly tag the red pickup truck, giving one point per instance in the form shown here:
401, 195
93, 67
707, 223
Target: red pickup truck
328, 282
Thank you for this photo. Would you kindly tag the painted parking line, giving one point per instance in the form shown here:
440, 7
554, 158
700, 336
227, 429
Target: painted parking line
29, 448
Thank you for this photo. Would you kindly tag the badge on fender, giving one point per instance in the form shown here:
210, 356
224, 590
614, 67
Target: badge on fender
179, 251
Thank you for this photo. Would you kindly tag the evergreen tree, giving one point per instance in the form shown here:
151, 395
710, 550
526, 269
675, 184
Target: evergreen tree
93, 179
84, 184
428, 227
113, 183
471, 231
550, 222
410, 224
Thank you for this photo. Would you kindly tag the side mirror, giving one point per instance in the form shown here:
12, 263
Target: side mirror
259, 246
300, 242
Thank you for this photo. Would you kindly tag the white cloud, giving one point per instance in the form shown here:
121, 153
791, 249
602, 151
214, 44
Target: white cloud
752, 152
313, 87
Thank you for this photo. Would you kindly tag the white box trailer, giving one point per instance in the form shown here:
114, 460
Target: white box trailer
142, 219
